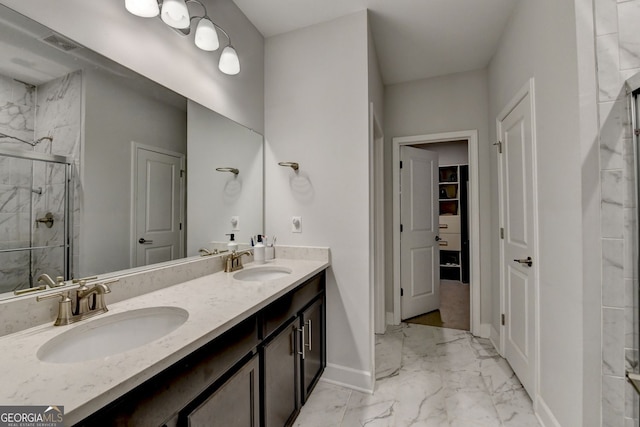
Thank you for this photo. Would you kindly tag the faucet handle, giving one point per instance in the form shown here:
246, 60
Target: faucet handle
64, 307
84, 279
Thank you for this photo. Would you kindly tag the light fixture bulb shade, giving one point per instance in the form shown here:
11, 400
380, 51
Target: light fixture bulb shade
175, 14
206, 35
229, 62
142, 8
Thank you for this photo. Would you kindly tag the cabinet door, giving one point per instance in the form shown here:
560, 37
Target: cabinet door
235, 403
313, 359
280, 378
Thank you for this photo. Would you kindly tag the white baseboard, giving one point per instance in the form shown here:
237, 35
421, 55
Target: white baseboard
544, 414
484, 330
389, 317
494, 337
348, 377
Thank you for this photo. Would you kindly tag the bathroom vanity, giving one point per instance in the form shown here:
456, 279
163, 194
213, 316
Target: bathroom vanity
272, 359
249, 354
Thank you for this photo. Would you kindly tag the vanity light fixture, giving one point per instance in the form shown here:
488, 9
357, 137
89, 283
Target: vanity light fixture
293, 165
176, 14
227, 169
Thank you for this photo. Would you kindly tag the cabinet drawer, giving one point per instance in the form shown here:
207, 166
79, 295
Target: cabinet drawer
450, 223
276, 314
450, 242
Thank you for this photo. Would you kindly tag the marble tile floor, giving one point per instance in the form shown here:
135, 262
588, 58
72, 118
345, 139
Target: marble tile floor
427, 376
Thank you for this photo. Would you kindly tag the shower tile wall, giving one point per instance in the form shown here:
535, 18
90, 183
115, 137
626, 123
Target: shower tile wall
17, 118
58, 115
618, 58
52, 109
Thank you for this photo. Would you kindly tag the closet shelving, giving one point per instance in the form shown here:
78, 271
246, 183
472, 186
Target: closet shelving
449, 200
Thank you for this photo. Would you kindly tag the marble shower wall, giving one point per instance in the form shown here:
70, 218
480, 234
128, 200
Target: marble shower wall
28, 190
618, 58
58, 115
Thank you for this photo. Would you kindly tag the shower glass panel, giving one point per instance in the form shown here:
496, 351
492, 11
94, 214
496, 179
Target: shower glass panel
34, 218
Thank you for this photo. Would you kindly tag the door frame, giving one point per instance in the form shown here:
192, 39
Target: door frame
471, 136
376, 223
527, 89
135, 146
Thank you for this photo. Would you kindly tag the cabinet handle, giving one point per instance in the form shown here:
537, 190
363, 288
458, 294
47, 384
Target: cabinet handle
443, 243
444, 225
309, 334
302, 341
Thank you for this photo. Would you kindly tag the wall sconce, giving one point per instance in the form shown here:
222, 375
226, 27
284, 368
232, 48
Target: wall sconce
226, 169
293, 165
175, 14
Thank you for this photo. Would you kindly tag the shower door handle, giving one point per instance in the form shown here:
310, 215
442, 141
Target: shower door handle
144, 241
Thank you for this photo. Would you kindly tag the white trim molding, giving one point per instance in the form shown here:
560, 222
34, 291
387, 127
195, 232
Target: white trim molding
471, 136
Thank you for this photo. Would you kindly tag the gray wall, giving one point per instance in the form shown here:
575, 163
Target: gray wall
317, 114
114, 116
442, 104
540, 42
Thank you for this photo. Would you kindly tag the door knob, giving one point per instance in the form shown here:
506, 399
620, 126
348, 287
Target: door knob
144, 241
528, 261
438, 238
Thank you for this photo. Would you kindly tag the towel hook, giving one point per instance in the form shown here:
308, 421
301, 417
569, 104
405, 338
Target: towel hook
293, 165
227, 169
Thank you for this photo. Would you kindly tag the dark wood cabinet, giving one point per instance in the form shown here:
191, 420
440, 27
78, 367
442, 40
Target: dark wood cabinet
259, 373
294, 354
280, 366
235, 403
313, 346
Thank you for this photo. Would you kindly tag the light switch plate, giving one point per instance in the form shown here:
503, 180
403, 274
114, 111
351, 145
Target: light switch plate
296, 224
235, 223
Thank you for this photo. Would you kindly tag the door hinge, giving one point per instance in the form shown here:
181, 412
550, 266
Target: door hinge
636, 132
401, 228
400, 164
499, 144
181, 173
502, 233
401, 292
502, 319
180, 226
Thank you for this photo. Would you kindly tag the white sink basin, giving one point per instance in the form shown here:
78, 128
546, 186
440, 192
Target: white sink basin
106, 336
262, 274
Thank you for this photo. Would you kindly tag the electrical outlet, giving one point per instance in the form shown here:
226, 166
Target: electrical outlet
296, 224
235, 223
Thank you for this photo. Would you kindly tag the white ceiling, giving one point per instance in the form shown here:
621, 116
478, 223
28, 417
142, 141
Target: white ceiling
414, 39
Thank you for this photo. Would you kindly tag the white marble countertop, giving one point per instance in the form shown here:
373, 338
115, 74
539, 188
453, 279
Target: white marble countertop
215, 303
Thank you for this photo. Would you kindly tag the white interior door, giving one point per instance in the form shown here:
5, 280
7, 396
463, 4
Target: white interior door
158, 207
518, 244
419, 251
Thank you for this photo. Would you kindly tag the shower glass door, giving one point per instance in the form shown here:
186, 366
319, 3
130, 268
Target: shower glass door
34, 219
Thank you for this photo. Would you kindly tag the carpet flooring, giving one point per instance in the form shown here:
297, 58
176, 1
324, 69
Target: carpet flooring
454, 308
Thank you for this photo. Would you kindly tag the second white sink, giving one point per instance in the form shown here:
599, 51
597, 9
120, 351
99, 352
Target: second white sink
262, 274
109, 335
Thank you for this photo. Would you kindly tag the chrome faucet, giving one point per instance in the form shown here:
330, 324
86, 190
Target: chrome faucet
233, 261
49, 281
85, 306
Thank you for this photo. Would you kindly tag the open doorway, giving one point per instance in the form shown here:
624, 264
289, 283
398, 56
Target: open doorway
458, 222
452, 209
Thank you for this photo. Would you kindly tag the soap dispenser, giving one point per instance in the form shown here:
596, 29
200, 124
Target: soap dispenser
258, 251
232, 245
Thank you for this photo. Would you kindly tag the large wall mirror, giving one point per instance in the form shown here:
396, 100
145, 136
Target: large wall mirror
103, 170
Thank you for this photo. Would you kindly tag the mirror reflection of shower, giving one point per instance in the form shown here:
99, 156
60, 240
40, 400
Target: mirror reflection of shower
39, 143
34, 218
